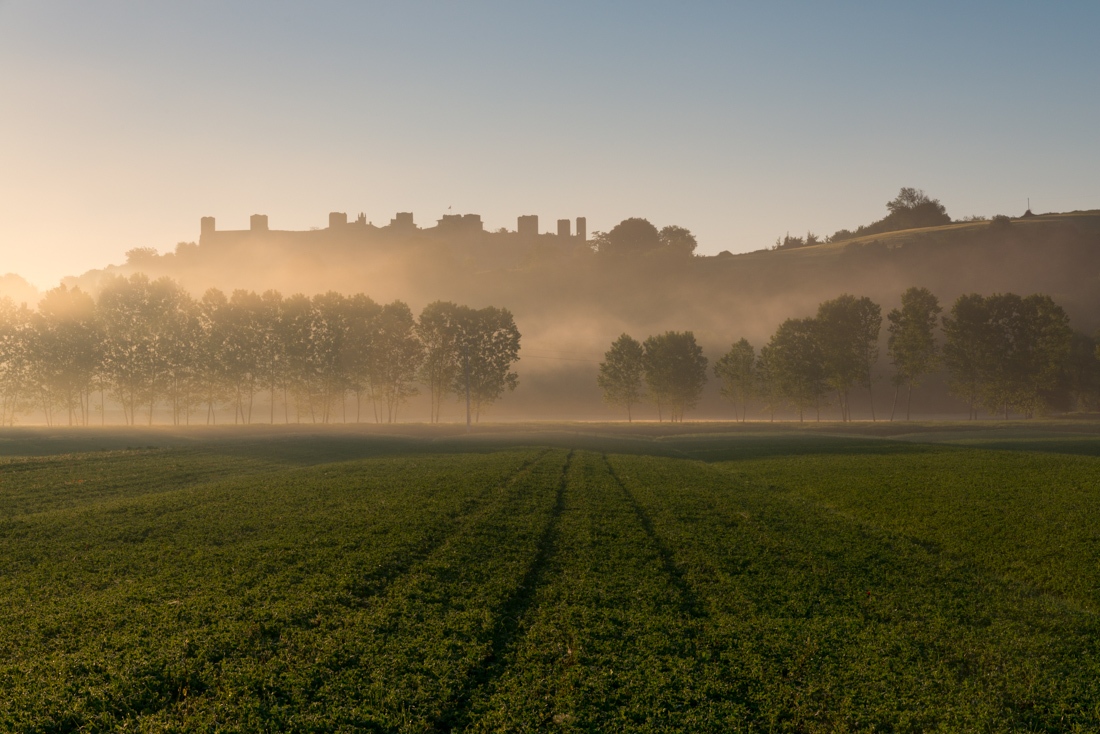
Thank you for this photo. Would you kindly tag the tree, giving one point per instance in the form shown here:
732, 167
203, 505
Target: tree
1007, 352
621, 373
677, 241
912, 342
438, 330
327, 355
910, 209
489, 345
913, 208
675, 372
967, 349
847, 330
796, 365
398, 356
296, 330
15, 366
362, 336
65, 350
737, 371
242, 354
630, 237
1031, 341
129, 356
1082, 378
271, 361
767, 383
210, 357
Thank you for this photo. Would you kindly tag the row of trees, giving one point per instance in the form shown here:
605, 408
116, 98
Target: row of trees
1002, 352
671, 365
149, 344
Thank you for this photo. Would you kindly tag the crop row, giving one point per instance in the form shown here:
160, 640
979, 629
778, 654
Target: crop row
835, 624
263, 599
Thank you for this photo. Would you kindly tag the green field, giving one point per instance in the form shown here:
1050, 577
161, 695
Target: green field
564, 577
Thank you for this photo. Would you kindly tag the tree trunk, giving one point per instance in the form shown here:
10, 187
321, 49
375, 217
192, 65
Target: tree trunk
908, 401
894, 407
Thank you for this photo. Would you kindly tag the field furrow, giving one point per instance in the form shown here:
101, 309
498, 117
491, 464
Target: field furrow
236, 593
609, 644
833, 623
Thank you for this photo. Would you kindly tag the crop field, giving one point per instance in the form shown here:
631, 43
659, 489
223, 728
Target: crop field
558, 577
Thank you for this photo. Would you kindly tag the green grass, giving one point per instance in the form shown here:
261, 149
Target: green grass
566, 577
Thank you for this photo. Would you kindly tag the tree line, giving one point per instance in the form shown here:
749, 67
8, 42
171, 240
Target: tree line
1004, 353
147, 344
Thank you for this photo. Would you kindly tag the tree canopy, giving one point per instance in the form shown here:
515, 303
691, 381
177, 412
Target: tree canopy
621, 373
148, 346
675, 372
912, 342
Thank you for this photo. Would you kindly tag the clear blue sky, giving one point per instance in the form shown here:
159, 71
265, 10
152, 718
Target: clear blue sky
122, 123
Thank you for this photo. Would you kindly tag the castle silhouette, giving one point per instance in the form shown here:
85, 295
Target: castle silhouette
456, 228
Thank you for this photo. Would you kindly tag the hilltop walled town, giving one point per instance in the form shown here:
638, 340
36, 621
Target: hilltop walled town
504, 246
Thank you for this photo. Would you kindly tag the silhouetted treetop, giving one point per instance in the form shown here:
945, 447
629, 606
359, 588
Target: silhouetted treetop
634, 236
678, 240
910, 209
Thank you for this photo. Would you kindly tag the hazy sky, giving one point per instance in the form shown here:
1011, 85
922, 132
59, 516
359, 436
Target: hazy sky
123, 123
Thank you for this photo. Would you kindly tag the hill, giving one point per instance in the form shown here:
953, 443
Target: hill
570, 302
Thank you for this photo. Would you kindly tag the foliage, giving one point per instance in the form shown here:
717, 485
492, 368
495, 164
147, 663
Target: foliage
847, 332
675, 372
910, 209
630, 237
737, 371
1006, 351
795, 364
488, 342
150, 344
621, 373
437, 329
677, 240
912, 343
791, 581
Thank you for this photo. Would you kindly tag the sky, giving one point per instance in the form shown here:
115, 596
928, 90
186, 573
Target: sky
123, 123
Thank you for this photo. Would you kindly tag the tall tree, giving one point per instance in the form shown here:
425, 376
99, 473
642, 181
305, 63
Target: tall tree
399, 355
737, 371
912, 342
1083, 373
489, 343
361, 341
66, 349
15, 363
675, 372
848, 330
296, 331
439, 329
796, 365
211, 359
271, 363
125, 306
1031, 341
967, 351
328, 350
621, 372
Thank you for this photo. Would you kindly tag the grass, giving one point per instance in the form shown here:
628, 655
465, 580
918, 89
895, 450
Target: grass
565, 577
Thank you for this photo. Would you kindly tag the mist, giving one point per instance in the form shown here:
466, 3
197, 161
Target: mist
570, 301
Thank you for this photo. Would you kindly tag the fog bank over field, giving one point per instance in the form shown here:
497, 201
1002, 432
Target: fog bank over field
570, 302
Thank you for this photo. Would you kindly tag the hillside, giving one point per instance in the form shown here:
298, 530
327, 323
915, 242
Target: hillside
570, 303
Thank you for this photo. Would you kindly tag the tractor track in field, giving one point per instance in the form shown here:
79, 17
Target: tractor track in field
511, 614
689, 602
377, 580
